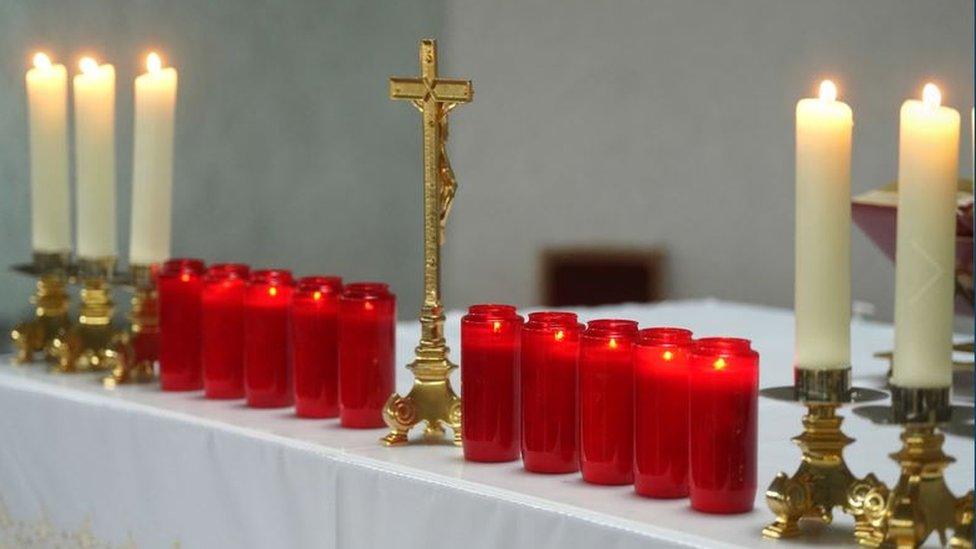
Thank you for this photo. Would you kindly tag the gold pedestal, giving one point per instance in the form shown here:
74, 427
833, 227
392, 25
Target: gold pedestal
133, 356
51, 303
920, 503
86, 344
823, 480
431, 400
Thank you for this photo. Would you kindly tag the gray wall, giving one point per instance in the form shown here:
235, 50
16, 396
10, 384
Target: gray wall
288, 151
630, 122
671, 122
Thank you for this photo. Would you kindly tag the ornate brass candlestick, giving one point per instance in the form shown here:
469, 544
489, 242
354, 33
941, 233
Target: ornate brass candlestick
431, 400
823, 480
134, 352
51, 303
920, 503
85, 345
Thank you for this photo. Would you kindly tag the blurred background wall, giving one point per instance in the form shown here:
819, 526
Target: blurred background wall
654, 122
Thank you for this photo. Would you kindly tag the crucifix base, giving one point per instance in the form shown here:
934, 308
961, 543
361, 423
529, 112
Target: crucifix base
431, 400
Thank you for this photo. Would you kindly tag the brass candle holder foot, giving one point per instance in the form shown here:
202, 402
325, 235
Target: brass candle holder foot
87, 344
920, 503
823, 481
431, 400
133, 356
51, 304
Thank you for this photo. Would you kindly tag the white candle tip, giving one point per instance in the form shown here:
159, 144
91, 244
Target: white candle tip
828, 91
931, 96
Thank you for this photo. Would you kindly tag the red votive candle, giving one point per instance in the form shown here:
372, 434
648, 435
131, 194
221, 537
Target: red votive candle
367, 353
267, 371
723, 394
315, 346
490, 340
222, 344
661, 412
606, 384
550, 420
180, 284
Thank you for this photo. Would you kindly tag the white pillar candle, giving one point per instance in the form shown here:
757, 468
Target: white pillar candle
47, 97
822, 286
95, 158
928, 168
152, 172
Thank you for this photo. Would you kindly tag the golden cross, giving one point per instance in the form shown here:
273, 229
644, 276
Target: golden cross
431, 400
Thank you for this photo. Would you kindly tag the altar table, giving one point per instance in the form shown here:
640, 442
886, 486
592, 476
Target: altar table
86, 466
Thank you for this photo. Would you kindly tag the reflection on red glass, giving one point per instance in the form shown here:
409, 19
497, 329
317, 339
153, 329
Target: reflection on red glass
723, 390
180, 284
606, 384
367, 353
489, 383
550, 420
222, 345
315, 346
267, 369
661, 412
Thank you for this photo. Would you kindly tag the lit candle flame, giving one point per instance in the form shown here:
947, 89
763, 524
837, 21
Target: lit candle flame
185, 277
560, 335
931, 96
613, 343
720, 364
317, 296
154, 63
828, 91
668, 355
272, 291
42, 61
368, 306
88, 65
496, 326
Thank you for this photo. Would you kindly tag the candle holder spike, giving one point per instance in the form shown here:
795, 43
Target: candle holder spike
133, 354
86, 345
51, 303
431, 400
920, 503
823, 481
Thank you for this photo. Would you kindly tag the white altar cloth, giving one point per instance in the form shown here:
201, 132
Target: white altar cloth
135, 466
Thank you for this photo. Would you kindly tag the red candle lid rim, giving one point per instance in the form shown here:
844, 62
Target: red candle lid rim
499, 309
325, 284
271, 276
729, 346
603, 327
366, 290
484, 318
665, 336
550, 320
225, 271
182, 265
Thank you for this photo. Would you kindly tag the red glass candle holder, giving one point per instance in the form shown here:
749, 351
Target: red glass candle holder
315, 346
367, 353
180, 284
490, 341
723, 405
606, 384
222, 340
661, 412
267, 369
550, 395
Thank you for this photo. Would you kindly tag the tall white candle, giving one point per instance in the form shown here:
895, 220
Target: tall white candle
152, 173
95, 158
822, 286
928, 167
47, 97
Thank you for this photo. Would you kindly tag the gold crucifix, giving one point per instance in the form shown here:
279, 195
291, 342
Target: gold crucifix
431, 400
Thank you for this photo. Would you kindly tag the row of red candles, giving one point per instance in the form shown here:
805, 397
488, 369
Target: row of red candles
673, 416
325, 348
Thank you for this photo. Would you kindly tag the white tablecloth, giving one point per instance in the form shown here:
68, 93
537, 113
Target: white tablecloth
137, 467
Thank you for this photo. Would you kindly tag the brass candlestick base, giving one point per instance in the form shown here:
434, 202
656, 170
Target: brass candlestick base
920, 503
85, 344
51, 303
431, 399
134, 352
823, 480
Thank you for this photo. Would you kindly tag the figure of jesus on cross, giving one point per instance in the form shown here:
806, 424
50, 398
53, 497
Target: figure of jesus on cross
431, 400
